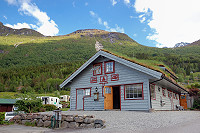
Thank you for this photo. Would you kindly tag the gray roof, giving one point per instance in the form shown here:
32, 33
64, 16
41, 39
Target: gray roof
7, 101
153, 73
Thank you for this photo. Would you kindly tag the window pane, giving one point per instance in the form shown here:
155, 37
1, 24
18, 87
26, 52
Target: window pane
87, 92
109, 67
133, 91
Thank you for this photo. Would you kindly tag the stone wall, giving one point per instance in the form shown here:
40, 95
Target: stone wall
68, 121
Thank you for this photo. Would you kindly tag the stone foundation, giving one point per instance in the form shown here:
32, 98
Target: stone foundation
68, 121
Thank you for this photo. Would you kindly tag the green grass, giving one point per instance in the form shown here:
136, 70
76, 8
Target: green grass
65, 109
8, 95
14, 95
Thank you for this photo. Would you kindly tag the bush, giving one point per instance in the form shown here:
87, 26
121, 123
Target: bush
2, 117
68, 105
42, 109
197, 103
50, 107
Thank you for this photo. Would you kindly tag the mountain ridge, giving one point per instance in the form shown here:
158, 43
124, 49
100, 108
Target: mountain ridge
5, 31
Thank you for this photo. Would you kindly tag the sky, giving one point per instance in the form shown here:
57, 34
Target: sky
155, 23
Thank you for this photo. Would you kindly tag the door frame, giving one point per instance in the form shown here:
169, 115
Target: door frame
103, 93
83, 95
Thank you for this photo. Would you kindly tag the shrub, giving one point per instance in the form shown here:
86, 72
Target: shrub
42, 109
68, 105
50, 107
2, 117
197, 103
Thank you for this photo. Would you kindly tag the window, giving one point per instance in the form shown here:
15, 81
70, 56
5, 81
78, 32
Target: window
152, 89
97, 69
174, 95
109, 67
163, 92
87, 92
108, 90
134, 91
169, 94
177, 96
51, 99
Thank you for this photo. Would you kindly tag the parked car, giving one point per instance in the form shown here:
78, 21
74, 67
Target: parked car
10, 115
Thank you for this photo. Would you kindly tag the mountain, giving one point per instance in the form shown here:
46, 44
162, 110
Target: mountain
5, 31
182, 44
196, 43
33, 61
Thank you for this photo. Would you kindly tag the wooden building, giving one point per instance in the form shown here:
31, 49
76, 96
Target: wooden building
7, 105
108, 81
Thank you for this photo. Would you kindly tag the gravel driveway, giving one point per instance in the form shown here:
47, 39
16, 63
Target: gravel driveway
133, 121
128, 122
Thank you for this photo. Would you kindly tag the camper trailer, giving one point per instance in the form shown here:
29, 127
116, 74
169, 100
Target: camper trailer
65, 98
51, 100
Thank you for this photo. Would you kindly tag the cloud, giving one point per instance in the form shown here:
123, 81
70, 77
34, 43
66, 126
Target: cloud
105, 23
127, 2
73, 4
45, 25
117, 29
134, 35
5, 17
114, 2
99, 21
92, 13
172, 21
11, 2
20, 26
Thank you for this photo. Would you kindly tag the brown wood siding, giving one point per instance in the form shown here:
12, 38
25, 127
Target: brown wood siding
6, 108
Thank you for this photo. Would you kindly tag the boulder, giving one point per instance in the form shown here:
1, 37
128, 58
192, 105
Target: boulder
73, 125
69, 118
91, 125
17, 117
39, 117
98, 121
88, 120
25, 121
40, 123
97, 125
23, 116
29, 117
47, 123
65, 124
44, 118
79, 119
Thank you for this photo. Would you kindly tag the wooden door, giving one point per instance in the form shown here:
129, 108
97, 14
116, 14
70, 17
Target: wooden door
108, 97
183, 101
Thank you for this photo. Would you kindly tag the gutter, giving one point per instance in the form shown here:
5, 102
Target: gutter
174, 83
162, 77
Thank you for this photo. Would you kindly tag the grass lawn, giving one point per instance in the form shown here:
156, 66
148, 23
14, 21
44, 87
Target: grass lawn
14, 95
64, 109
8, 95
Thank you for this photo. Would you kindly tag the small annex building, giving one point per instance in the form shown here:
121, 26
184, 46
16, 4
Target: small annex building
7, 105
107, 81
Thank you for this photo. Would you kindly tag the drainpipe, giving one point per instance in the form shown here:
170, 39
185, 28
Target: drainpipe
162, 77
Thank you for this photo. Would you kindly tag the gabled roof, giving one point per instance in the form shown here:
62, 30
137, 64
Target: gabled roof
134, 65
7, 101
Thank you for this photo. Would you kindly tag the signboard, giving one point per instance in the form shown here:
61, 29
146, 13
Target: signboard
93, 80
114, 77
104, 79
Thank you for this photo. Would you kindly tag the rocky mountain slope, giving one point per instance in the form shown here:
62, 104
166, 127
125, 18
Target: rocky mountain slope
5, 31
182, 44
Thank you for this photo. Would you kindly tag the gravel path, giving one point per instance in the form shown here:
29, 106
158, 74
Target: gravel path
129, 121
126, 122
